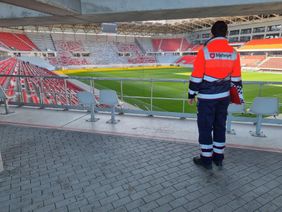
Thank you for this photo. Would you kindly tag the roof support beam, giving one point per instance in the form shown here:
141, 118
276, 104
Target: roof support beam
52, 7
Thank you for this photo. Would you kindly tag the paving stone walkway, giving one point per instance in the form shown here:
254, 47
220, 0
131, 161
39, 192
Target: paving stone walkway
53, 170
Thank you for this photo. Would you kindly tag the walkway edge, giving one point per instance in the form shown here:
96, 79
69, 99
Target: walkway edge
176, 140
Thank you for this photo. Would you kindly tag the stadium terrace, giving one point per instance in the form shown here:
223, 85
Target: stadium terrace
94, 112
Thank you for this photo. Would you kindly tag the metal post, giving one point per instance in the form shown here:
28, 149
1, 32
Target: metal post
113, 117
93, 105
258, 132
121, 90
90, 83
19, 89
1, 163
41, 90
260, 89
151, 98
92, 114
258, 125
94, 94
184, 95
6, 106
55, 96
229, 130
66, 92
93, 86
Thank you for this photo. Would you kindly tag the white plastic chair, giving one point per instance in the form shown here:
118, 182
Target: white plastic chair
88, 99
110, 98
233, 108
5, 98
263, 106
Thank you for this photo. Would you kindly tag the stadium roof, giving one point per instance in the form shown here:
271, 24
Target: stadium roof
190, 25
88, 12
149, 28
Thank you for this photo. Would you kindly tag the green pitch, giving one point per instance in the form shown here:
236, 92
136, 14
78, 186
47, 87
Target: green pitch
173, 90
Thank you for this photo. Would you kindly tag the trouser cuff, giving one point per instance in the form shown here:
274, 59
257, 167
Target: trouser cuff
206, 160
218, 157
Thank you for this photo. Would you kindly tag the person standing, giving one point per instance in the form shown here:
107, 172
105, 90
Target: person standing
216, 68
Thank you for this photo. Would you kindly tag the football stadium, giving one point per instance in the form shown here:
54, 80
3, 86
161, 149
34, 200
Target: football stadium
94, 111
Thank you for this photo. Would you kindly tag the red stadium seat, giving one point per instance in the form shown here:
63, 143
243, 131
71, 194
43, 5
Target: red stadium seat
54, 89
251, 60
171, 44
17, 41
273, 63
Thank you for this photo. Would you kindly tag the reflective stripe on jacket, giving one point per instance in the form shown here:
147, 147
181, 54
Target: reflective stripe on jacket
216, 66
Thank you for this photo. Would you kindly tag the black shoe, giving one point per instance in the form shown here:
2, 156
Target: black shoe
218, 163
198, 161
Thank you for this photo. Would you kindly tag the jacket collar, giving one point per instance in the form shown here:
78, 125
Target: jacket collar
215, 38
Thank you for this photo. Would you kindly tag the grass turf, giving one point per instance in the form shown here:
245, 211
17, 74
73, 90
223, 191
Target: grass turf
171, 89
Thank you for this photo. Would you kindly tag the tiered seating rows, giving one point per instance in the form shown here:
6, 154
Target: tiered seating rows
251, 60
42, 40
27, 41
6, 67
54, 90
273, 43
272, 63
171, 45
65, 56
136, 54
17, 41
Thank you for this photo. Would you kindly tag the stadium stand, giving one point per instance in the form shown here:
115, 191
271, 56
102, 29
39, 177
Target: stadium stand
146, 43
79, 50
170, 45
185, 45
3, 46
65, 48
105, 53
54, 90
272, 63
270, 49
26, 40
187, 59
263, 45
43, 41
39, 61
156, 44
251, 60
102, 52
136, 55
15, 41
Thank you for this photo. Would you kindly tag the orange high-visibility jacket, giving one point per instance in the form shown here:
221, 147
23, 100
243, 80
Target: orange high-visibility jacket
216, 67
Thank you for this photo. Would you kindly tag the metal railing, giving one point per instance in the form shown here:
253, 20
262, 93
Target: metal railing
65, 96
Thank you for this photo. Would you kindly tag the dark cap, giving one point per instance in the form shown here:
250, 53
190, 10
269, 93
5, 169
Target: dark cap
219, 29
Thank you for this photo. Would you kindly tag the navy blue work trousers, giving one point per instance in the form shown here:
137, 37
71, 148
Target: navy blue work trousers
212, 116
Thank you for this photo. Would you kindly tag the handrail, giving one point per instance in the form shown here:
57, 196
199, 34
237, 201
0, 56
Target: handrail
151, 109
129, 79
